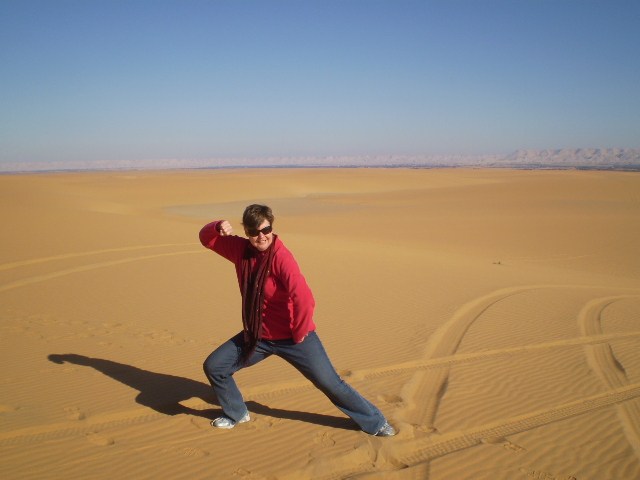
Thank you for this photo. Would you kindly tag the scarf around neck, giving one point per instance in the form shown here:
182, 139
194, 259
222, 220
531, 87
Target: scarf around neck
253, 283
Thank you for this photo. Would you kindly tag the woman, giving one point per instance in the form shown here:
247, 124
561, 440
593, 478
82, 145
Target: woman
277, 316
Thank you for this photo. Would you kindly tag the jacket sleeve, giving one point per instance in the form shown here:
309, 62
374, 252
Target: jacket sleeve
209, 234
230, 247
302, 301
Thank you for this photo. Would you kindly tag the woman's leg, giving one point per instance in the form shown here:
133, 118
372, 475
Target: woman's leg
219, 368
310, 358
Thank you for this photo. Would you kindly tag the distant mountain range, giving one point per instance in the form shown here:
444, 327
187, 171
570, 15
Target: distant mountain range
610, 158
579, 158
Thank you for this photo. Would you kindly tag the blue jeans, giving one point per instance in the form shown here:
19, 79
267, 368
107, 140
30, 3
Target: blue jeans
308, 357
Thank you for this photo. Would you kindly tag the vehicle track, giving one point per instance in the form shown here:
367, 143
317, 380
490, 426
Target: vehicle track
142, 415
64, 256
24, 282
416, 453
429, 381
604, 363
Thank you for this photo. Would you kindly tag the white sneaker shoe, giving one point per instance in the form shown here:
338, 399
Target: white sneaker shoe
226, 422
386, 431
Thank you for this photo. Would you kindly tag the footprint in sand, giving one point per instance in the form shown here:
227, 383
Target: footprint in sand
99, 439
194, 452
162, 337
324, 439
394, 400
539, 474
504, 442
246, 474
260, 422
201, 423
513, 447
74, 413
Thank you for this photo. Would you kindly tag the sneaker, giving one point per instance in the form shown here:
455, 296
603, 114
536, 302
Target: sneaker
226, 422
386, 431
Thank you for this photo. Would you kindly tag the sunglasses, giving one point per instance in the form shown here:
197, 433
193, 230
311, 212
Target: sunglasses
254, 232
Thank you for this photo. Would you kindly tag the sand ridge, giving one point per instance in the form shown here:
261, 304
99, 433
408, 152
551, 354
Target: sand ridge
491, 314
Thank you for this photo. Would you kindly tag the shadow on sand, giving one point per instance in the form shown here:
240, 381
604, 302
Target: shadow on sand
163, 393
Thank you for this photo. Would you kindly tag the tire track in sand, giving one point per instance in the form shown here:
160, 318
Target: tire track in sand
429, 385
417, 450
604, 363
469, 357
83, 268
59, 430
417, 453
423, 450
64, 256
422, 393
143, 415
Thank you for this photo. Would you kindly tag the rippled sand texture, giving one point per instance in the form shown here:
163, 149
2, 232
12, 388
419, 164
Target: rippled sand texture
493, 315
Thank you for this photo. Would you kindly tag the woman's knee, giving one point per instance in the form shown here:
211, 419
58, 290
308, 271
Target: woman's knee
224, 360
209, 367
215, 365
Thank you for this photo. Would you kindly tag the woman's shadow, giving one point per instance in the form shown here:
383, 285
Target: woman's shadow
164, 393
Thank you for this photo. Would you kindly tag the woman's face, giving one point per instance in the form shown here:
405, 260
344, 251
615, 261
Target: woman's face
261, 241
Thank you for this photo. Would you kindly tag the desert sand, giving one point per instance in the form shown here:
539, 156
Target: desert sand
493, 315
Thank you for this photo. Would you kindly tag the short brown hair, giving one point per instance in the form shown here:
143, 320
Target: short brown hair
255, 214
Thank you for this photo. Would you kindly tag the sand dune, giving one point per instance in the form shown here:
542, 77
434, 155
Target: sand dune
493, 315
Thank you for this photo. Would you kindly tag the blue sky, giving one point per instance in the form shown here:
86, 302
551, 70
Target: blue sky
120, 80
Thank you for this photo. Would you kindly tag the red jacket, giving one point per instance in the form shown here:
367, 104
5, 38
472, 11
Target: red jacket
288, 301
